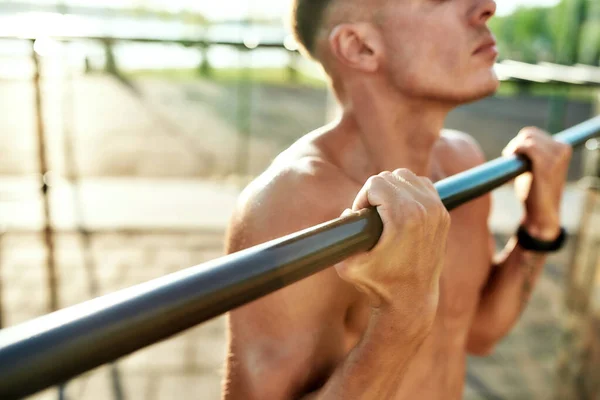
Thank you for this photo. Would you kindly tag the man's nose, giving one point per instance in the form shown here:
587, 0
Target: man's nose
482, 11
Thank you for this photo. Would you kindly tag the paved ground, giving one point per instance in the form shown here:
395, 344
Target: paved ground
154, 128
157, 216
188, 366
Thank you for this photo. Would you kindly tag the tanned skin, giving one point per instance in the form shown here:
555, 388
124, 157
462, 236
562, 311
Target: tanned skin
398, 321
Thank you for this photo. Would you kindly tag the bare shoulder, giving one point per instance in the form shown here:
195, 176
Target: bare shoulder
458, 151
295, 192
275, 342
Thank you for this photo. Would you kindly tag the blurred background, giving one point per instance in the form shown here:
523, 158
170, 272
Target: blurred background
129, 127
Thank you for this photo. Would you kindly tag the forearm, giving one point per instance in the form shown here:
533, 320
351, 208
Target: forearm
506, 293
374, 369
513, 278
516, 273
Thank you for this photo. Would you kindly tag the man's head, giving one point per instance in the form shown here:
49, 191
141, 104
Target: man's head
307, 23
432, 49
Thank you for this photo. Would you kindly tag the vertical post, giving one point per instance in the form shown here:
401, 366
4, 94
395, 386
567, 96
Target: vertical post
87, 65
523, 88
567, 53
43, 168
109, 54
205, 68
557, 110
244, 117
292, 67
2, 232
579, 361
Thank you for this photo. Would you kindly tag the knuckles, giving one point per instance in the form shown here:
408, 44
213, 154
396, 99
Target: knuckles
543, 150
376, 180
532, 132
377, 183
404, 172
416, 204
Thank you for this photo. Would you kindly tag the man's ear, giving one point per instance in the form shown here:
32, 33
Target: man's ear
357, 45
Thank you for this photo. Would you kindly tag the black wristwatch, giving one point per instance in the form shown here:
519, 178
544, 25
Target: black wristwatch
528, 242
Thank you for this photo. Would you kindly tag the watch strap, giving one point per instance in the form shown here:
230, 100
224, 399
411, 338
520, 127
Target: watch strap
528, 242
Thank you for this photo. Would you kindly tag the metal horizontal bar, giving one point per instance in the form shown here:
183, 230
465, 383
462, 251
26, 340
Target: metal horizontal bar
53, 348
146, 231
513, 76
509, 72
184, 42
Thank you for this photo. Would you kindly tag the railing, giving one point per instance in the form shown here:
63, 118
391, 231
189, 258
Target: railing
53, 348
203, 45
507, 70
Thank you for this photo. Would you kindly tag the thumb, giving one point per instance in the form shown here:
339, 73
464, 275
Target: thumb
346, 213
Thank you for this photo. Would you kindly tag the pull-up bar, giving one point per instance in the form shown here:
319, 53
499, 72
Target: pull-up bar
51, 349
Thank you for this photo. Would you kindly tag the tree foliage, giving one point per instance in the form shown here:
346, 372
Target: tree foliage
567, 33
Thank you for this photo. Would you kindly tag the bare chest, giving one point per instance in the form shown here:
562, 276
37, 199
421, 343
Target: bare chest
467, 263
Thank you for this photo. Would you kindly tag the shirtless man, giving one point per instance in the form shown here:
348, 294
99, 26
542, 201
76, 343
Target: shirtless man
383, 324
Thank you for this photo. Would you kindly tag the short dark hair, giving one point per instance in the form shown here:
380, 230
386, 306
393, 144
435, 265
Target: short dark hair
306, 20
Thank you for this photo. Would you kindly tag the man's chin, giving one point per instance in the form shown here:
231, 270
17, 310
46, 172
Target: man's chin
479, 92
459, 94
482, 94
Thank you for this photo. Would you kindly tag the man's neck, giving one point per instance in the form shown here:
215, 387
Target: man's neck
383, 133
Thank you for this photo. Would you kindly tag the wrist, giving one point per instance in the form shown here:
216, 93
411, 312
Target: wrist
547, 230
415, 321
528, 242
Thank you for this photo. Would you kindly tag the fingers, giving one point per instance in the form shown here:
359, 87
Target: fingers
379, 188
401, 197
544, 152
374, 192
421, 184
541, 190
409, 253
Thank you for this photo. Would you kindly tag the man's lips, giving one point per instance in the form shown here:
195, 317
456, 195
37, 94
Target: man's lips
489, 46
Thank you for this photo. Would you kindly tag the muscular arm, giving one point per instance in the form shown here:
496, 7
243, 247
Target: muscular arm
505, 295
513, 272
293, 343
283, 344
375, 367
512, 279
